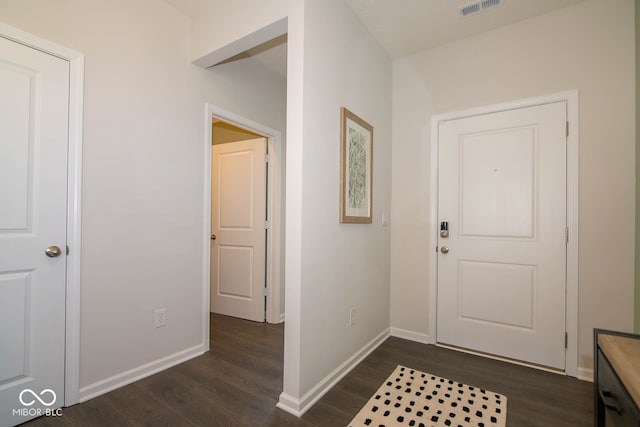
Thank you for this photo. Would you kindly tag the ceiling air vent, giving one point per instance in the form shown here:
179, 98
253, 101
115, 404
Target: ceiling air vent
479, 6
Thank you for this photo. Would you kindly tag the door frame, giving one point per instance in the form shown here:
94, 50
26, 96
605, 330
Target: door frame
275, 180
74, 205
571, 309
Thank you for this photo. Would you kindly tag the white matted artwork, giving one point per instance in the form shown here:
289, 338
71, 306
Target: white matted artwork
356, 168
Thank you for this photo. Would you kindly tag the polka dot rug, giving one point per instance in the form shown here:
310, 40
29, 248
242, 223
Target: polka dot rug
417, 399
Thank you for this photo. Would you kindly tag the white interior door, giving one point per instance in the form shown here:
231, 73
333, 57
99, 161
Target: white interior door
238, 212
502, 191
33, 189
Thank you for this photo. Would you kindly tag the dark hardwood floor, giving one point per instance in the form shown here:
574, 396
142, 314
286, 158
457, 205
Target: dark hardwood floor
238, 382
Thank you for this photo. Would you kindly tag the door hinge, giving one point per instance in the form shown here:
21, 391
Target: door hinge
67, 249
266, 225
266, 158
436, 249
566, 234
265, 292
566, 340
567, 128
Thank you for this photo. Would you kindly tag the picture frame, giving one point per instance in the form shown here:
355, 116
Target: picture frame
356, 169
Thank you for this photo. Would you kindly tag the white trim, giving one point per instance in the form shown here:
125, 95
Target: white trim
298, 407
119, 380
206, 247
585, 374
289, 404
243, 44
410, 335
274, 209
573, 175
74, 194
433, 233
571, 322
281, 318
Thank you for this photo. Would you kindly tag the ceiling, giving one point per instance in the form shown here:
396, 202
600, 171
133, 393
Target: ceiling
422, 24
403, 27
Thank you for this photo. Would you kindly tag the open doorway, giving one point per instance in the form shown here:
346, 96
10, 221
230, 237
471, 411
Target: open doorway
239, 222
239, 138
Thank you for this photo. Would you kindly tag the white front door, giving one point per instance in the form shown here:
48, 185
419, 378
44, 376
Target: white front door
238, 213
34, 109
502, 193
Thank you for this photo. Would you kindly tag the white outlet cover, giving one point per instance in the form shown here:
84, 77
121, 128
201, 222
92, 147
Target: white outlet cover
160, 317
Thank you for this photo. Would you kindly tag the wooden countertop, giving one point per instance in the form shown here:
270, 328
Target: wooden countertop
624, 355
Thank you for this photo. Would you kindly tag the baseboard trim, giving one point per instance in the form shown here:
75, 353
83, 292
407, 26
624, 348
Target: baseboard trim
281, 319
289, 404
298, 407
410, 335
585, 374
119, 380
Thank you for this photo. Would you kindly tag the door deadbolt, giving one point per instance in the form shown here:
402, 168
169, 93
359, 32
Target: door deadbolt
444, 229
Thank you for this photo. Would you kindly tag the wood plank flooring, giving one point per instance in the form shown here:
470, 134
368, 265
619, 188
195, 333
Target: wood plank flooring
238, 383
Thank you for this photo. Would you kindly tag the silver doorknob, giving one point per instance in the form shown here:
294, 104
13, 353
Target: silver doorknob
53, 251
444, 249
213, 237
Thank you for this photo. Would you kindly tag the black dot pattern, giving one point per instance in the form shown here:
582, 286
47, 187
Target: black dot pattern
417, 399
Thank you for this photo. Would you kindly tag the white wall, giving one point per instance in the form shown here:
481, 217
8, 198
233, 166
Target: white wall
143, 184
589, 47
343, 265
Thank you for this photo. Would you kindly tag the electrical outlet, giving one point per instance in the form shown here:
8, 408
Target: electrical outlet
160, 317
352, 316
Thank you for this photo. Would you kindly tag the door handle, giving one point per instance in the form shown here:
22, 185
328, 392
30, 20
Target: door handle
52, 252
444, 249
609, 401
213, 237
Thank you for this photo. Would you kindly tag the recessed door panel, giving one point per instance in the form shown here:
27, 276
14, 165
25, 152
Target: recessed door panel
17, 84
481, 282
236, 189
14, 325
235, 272
498, 183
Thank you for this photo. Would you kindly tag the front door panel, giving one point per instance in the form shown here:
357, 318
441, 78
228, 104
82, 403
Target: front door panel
502, 191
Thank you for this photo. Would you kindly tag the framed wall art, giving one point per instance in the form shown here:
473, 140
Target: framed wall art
356, 168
